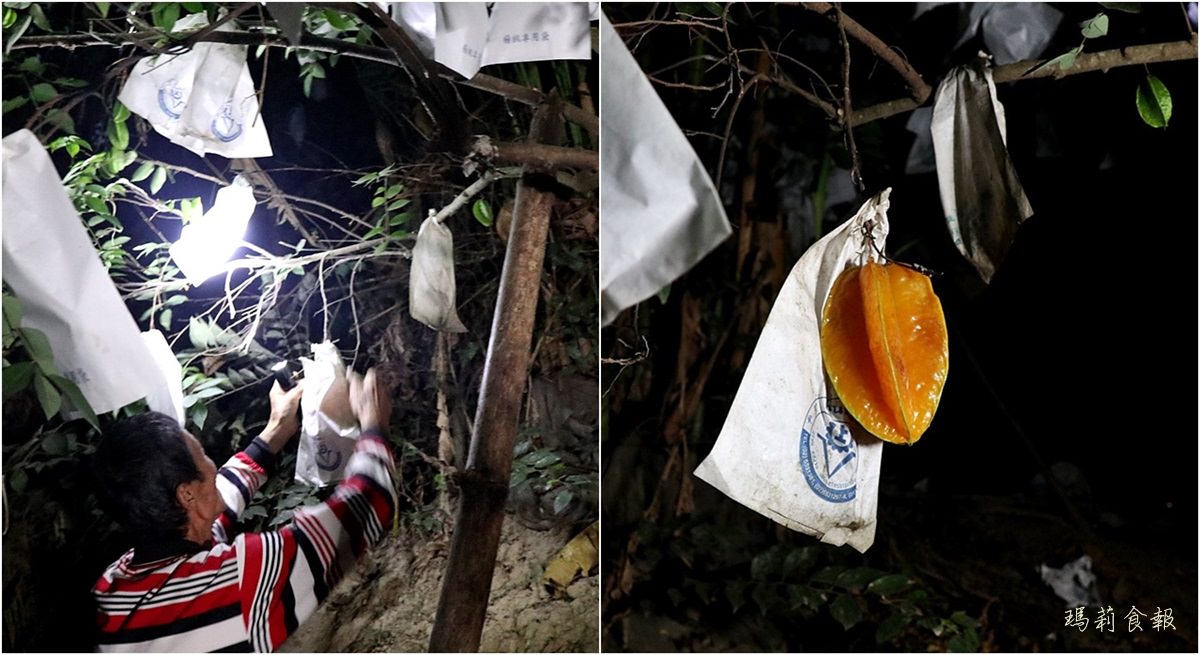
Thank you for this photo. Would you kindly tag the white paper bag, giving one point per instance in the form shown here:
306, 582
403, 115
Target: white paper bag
538, 31
462, 29
468, 38
788, 449
661, 211
167, 397
431, 290
982, 198
52, 267
328, 431
203, 99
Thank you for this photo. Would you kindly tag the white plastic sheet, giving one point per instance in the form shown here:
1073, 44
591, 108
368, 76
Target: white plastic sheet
431, 288
203, 99
52, 267
328, 430
982, 197
788, 449
661, 211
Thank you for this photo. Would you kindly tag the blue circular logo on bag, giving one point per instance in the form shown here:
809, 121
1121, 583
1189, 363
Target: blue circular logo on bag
828, 453
328, 459
170, 99
225, 126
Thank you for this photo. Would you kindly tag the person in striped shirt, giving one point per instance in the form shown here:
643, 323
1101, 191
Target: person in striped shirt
190, 584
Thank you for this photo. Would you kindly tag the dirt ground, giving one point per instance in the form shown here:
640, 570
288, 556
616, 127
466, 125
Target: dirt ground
388, 602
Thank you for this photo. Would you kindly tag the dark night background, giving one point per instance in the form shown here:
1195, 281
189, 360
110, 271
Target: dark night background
1084, 342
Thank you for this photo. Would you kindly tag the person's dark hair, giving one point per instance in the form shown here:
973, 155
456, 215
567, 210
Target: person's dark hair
139, 463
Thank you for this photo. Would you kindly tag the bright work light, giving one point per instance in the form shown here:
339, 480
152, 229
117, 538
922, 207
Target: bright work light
209, 241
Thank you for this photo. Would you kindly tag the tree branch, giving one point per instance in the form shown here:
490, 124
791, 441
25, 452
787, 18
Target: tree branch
481, 81
1095, 61
917, 86
537, 155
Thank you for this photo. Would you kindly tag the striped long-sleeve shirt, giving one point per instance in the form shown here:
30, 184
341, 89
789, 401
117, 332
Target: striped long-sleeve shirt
249, 592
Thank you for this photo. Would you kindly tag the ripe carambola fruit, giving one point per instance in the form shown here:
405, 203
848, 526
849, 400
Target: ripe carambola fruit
883, 339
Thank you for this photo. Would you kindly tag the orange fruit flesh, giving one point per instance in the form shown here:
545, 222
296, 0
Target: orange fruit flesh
884, 342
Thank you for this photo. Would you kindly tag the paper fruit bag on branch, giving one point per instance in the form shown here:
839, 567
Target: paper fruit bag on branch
789, 450
982, 196
202, 99
431, 287
328, 426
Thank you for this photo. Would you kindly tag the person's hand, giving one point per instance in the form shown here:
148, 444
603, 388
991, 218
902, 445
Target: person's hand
283, 424
370, 400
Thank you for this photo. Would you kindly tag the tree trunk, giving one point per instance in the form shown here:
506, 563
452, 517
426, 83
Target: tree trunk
468, 578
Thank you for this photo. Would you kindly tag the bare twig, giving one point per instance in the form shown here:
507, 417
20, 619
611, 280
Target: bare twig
847, 110
470, 192
917, 86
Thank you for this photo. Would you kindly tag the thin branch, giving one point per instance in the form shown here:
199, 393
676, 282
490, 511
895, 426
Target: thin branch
1095, 61
847, 110
917, 86
482, 82
470, 192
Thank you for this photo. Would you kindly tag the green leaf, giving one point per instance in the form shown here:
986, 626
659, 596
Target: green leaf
70, 82
102, 7
890, 628
855, 578
76, 398
1064, 61
964, 620
48, 397
142, 172
399, 203
43, 92
482, 210
393, 191
316, 70
308, 86
120, 112
38, 346
164, 318
17, 378
1095, 27
888, 584
12, 311
39, 18
398, 219
377, 201
845, 610
160, 178
96, 204
200, 333
10, 17
18, 479
193, 7
61, 119
663, 294
1154, 102
562, 500
32, 65
199, 415
15, 103
168, 16
828, 575
1127, 7
967, 642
